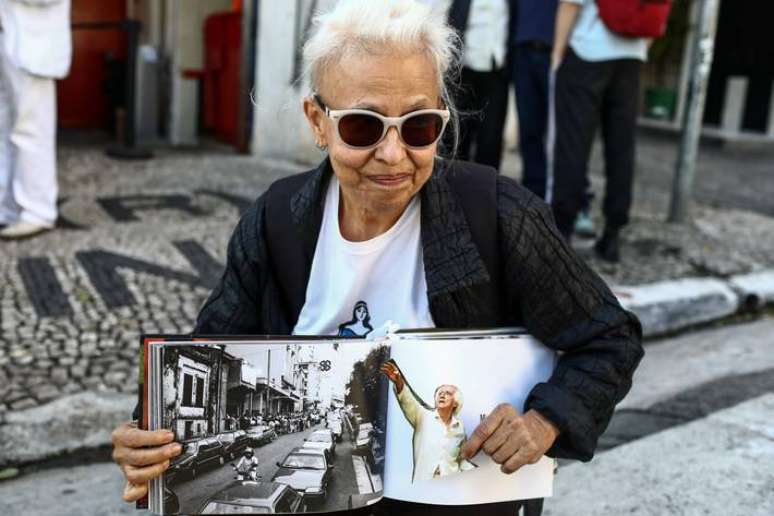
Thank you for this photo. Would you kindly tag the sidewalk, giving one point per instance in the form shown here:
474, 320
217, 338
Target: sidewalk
141, 244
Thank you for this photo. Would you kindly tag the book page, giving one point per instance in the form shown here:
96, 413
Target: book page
476, 375
273, 427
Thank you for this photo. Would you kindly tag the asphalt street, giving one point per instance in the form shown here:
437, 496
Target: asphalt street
193, 493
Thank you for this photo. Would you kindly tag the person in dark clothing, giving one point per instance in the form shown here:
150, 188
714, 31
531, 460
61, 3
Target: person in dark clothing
597, 83
475, 249
482, 96
531, 40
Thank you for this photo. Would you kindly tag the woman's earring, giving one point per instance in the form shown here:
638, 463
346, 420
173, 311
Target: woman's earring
323, 147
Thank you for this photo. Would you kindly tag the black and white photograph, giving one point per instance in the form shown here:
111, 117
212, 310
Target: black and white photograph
274, 428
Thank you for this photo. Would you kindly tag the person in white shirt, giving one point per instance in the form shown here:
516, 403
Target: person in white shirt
438, 433
483, 95
35, 49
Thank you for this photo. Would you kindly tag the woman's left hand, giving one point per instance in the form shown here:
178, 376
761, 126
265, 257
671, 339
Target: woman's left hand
512, 440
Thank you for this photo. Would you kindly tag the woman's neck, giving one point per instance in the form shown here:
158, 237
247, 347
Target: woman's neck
359, 223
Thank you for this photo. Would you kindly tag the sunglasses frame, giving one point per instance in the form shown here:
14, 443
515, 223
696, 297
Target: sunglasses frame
387, 121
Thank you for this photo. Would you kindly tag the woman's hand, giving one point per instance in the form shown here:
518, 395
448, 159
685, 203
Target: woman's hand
142, 456
510, 439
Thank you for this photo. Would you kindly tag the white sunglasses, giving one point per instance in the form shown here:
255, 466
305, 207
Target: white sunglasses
363, 129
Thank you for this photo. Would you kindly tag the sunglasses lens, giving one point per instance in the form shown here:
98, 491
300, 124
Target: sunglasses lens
360, 130
422, 130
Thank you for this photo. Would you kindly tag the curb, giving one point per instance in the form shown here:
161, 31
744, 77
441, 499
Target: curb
668, 306
67, 425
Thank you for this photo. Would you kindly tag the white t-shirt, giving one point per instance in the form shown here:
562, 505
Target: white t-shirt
356, 287
593, 41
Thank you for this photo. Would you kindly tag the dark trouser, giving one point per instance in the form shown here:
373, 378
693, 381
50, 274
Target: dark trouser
531, 67
587, 93
483, 101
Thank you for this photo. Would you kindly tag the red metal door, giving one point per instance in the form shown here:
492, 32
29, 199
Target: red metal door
82, 97
222, 61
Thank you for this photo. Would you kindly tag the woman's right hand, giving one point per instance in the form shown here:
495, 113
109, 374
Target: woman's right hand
142, 456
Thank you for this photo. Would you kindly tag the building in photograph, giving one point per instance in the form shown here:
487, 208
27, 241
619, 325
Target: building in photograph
193, 376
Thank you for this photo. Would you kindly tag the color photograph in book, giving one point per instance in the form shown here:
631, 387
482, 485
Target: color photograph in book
440, 390
274, 428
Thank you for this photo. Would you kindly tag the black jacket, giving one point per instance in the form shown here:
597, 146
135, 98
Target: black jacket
545, 287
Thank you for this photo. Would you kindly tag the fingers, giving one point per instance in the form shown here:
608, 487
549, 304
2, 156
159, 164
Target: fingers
132, 437
498, 438
146, 456
133, 492
140, 476
486, 428
519, 459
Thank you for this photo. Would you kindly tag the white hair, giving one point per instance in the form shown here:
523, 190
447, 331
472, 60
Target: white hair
379, 26
458, 399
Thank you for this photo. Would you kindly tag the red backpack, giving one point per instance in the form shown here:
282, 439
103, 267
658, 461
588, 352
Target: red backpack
635, 18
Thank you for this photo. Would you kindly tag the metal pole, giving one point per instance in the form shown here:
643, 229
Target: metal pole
701, 64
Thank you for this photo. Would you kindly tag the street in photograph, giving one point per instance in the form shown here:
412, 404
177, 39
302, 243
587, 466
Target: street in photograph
273, 428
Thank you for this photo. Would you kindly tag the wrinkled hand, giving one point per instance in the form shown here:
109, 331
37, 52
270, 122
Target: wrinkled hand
393, 373
142, 456
510, 439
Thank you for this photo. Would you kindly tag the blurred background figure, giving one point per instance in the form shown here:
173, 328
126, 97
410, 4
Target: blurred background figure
35, 49
531, 39
483, 26
597, 79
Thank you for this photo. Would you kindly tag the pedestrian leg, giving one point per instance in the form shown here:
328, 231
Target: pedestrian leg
619, 125
577, 87
33, 142
9, 210
469, 104
489, 140
530, 80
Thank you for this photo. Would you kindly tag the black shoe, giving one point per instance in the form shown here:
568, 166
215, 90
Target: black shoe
608, 247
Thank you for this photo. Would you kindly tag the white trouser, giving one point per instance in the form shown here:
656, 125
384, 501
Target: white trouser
28, 187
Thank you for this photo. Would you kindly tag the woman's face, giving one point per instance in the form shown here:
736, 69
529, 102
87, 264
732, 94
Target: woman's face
386, 177
360, 313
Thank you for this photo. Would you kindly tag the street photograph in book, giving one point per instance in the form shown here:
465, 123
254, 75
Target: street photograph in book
317, 424
273, 428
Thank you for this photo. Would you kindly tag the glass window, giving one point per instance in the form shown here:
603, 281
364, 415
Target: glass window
187, 390
304, 461
199, 392
287, 502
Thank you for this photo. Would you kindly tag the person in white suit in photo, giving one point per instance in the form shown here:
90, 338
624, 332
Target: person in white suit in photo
35, 50
439, 433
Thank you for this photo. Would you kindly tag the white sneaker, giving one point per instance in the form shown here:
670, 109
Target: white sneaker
23, 229
584, 226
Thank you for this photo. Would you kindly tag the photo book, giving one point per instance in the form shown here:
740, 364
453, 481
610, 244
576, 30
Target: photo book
277, 425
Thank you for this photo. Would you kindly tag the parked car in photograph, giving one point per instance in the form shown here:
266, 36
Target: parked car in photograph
247, 497
363, 436
260, 435
322, 440
234, 443
307, 471
363, 500
196, 456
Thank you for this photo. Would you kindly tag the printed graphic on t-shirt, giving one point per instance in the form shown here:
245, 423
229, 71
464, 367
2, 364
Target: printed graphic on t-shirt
360, 324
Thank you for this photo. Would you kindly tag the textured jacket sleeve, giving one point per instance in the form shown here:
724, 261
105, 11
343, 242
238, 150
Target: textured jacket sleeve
234, 306
569, 308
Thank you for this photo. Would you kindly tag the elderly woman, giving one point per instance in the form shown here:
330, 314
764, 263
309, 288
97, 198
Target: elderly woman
422, 240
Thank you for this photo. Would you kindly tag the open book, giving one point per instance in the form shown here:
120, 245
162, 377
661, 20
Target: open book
274, 425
